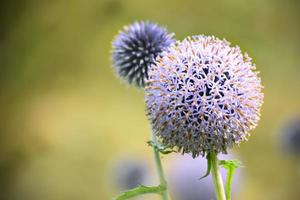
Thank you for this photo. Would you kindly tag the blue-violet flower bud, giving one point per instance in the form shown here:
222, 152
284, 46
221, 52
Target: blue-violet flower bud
135, 48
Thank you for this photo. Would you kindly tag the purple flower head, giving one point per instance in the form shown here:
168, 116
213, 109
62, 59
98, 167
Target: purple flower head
128, 173
290, 136
135, 49
203, 96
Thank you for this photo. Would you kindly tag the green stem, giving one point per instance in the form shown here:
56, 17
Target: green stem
228, 183
217, 179
159, 168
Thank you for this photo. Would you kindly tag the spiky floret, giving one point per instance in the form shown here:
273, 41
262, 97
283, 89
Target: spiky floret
203, 96
135, 49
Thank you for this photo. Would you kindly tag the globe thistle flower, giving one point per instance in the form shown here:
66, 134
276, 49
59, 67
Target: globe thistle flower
203, 96
128, 173
183, 179
135, 49
290, 136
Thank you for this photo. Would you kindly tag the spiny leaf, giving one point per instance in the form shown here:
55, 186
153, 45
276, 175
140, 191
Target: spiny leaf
208, 167
160, 148
230, 166
139, 191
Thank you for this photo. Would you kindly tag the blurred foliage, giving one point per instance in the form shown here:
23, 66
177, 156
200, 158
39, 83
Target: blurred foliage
64, 115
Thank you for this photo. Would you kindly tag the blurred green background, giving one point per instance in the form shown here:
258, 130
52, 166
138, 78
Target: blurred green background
65, 116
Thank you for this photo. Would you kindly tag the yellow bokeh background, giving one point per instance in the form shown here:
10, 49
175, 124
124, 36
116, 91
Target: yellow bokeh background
65, 116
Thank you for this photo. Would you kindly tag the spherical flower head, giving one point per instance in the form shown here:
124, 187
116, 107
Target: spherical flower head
128, 173
290, 136
135, 49
203, 96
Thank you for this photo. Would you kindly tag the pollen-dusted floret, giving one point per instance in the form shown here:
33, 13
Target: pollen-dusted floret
135, 49
203, 96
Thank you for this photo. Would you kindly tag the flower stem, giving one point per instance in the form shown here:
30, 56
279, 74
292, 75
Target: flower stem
228, 183
217, 179
159, 168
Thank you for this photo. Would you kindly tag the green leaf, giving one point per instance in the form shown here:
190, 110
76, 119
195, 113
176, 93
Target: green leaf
139, 191
208, 167
230, 166
160, 148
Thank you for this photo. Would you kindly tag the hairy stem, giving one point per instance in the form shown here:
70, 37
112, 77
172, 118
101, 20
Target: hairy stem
217, 179
159, 168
